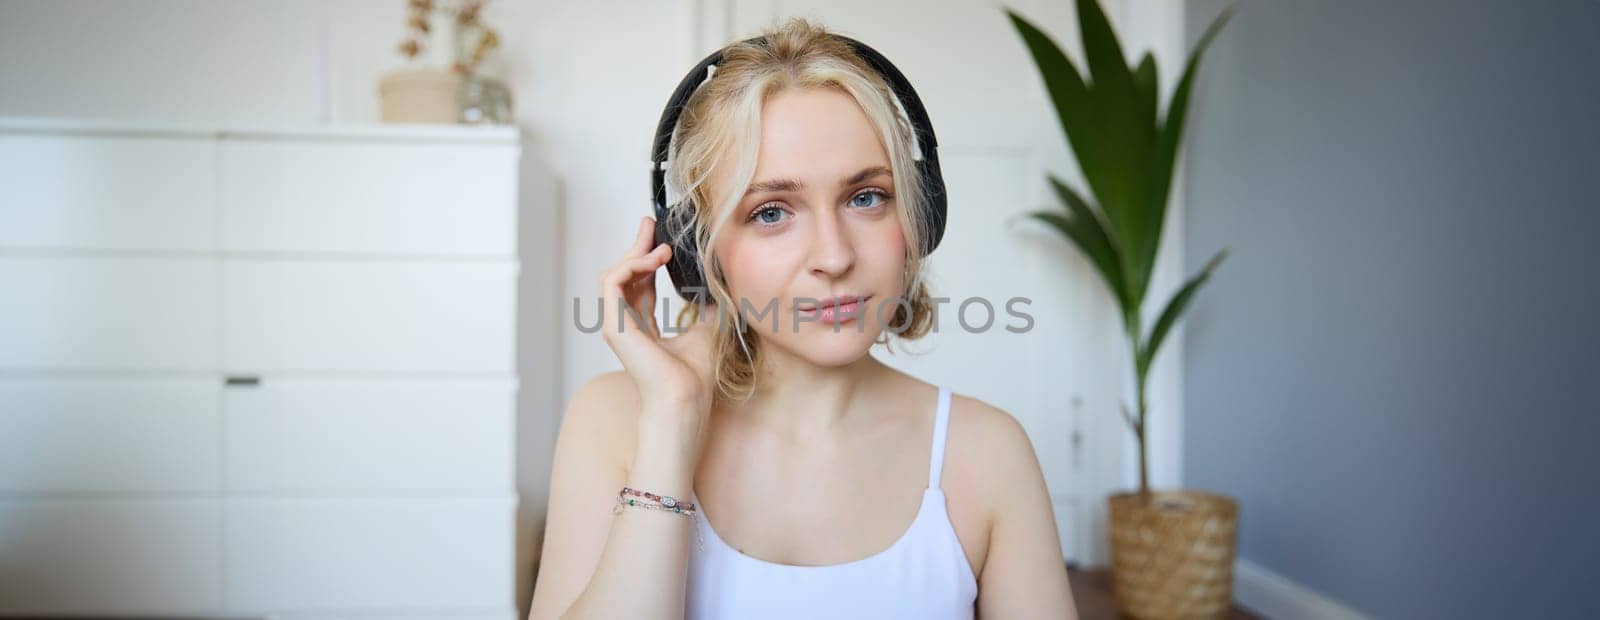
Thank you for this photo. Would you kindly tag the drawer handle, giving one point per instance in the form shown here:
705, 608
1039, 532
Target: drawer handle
250, 381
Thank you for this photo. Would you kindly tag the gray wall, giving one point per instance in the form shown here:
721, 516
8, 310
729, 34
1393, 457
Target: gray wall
1393, 371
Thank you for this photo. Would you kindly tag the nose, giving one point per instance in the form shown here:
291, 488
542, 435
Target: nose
832, 252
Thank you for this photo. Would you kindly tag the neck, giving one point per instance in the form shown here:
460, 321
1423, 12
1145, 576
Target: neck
802, 401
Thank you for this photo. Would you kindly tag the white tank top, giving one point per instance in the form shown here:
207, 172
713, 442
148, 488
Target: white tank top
924, 574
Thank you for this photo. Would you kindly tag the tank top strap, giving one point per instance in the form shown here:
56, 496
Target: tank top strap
941, 429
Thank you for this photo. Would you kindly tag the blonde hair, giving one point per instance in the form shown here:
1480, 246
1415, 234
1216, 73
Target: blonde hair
725, 112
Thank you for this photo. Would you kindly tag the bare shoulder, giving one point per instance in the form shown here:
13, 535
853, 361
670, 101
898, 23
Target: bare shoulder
1022, 571
990, 430
996, 458
984, 443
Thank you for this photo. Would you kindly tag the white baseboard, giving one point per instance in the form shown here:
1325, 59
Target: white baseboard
1275, 597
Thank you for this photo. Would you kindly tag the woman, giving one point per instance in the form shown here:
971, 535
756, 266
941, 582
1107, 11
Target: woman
767, 410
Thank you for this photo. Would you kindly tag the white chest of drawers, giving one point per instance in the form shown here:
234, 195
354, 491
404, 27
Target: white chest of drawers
258, 372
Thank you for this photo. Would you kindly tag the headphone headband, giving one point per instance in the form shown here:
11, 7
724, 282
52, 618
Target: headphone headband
684, 267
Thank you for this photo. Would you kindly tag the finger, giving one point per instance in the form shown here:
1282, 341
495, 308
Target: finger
645, 266
633, 283
641, 290
636, 269
617, 322
644, 237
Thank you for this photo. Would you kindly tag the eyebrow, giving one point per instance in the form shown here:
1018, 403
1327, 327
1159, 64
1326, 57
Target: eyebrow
794, 185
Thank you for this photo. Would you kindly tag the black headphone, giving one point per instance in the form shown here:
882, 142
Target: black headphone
685, 264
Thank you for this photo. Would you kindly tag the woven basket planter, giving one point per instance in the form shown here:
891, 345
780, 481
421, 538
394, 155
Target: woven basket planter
1172, 557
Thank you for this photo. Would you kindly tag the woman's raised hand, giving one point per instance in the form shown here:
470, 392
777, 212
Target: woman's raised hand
673, 375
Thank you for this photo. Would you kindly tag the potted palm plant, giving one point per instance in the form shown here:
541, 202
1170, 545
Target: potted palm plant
1171, 551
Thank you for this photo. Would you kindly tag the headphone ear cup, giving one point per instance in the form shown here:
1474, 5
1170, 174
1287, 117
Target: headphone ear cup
672, 229
684, 266
686, 275
934, 192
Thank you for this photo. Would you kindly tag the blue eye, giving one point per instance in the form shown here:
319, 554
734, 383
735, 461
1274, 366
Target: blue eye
768, 215
772, 215
880, 194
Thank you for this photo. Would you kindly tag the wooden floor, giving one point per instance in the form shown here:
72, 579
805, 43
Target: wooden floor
1091, 589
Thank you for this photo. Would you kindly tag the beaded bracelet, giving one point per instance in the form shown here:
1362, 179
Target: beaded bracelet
623, 502
669, 502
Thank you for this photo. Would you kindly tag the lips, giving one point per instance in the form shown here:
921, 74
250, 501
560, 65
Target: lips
836, 309
836, 300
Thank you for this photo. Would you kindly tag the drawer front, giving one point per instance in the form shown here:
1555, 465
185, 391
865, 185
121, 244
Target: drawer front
377, 197
107, 192
371, 435
369, 554
157, 557
108, 313
109, 434
368, 316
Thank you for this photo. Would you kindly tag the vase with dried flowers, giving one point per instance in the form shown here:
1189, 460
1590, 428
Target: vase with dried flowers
459, 92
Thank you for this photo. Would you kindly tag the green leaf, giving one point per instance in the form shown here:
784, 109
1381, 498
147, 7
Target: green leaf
1148, 87
1102, 52
1097, 131
1166, 151
1174, 310
1086, 228
1118, 171
1068, 94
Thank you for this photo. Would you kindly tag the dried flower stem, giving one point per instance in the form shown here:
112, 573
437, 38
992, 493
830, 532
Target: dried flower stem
467, 15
